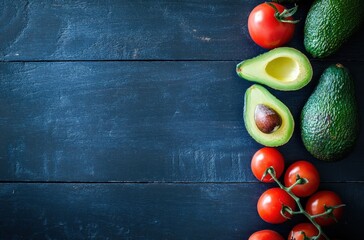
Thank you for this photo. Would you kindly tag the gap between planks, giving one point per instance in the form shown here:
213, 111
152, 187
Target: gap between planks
156, 182
163, 60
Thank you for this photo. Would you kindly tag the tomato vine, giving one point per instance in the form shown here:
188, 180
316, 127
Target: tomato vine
286, 209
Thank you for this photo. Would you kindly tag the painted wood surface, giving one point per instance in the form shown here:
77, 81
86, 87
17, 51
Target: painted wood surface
140, 121
138, 29
151, 211
123, 120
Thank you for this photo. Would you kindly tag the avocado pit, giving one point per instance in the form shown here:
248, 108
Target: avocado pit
267, 119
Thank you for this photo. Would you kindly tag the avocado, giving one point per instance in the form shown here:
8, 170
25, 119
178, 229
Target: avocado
329, 23
266, 118
282, 68
329, 119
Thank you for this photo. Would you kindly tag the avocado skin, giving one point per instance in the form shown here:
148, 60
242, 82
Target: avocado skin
329, 119
257, 94
330, 23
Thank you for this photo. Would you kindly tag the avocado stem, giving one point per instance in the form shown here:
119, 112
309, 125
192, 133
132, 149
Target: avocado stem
300, 180
339, 65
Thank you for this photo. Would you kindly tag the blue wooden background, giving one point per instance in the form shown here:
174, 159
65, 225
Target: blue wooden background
123, 120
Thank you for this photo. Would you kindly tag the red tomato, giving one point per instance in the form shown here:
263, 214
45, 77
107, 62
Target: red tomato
266, 30
305, 170
265, 158
266, 235
270, 205
300, 230
317, 203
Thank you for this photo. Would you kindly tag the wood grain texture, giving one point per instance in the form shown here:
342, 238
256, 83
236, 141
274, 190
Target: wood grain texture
139, 29
140, 121
151, 211
152, 145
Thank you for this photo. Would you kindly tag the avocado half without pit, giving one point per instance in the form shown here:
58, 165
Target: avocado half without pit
283, 68
267, 119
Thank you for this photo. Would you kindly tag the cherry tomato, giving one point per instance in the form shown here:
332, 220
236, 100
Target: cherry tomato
270, 205
266, 235
265, 158
303, 229
266, 30
317, 203
305, 170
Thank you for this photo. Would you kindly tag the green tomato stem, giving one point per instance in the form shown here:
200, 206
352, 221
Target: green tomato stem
286, 13
321, 214
271, 172
298, 182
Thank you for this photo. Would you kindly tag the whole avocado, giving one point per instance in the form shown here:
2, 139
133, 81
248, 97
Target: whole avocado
329, 119
330, 23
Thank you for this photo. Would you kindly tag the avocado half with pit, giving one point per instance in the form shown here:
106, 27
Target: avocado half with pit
266, 118
283, 68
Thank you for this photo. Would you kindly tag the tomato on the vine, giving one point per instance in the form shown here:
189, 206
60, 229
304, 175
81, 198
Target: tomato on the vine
271, 25
266, 235
264, 158
270, 205
302, 169
320, 202
302, 230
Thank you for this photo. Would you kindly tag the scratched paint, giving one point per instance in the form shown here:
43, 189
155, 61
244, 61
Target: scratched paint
120, 30
141, 149
16, 17
108, 121
148, 211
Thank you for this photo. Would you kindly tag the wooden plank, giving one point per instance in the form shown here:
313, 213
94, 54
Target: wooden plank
140, 29
140, 121
151, 211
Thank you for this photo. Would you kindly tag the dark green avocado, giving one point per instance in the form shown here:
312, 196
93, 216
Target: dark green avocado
330, 23
329, 119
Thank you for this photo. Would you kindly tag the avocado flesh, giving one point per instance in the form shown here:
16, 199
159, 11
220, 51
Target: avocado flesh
329, 119
283, 68
329, 23
255, 95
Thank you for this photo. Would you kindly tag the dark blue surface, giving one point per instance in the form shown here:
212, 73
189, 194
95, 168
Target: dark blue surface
123, 120
138, 29
140, 121
150, 211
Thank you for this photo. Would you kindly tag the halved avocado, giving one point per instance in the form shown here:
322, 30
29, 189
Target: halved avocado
283, 68
279, 129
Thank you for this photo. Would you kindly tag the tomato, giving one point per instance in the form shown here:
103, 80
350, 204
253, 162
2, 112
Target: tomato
266, 29
303, 229
305, 170
270, 205
265, 158
266, 235
317, 203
